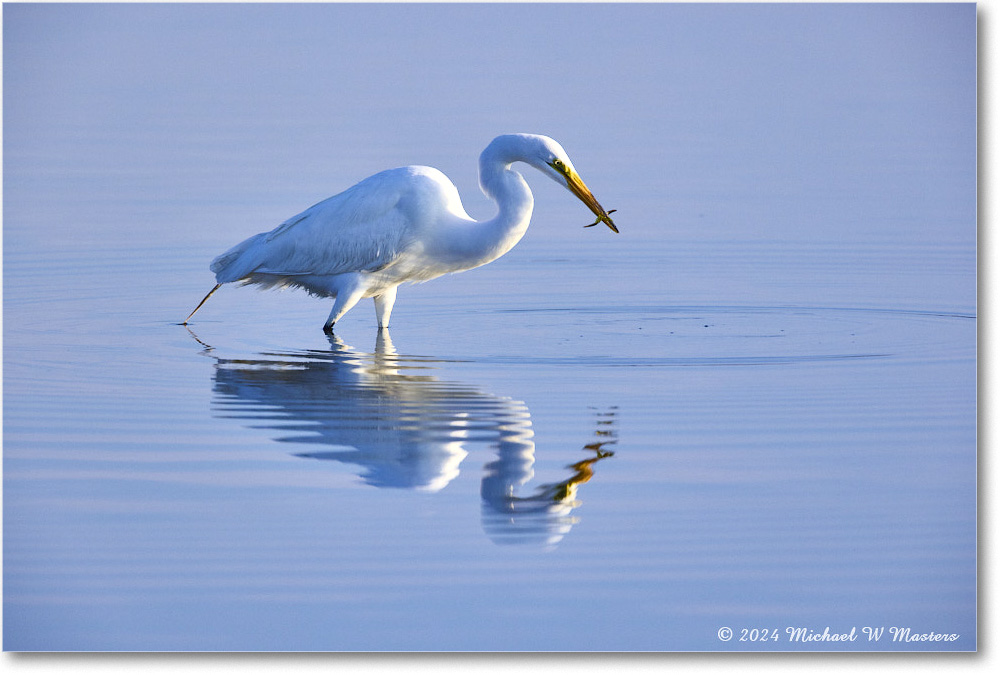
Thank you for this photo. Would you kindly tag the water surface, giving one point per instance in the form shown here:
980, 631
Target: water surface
754, 408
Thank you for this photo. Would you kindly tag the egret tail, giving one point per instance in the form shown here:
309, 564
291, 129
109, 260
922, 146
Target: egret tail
184, 323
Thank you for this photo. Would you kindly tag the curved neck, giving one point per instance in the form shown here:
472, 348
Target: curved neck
511, 193
514, 204
467, 244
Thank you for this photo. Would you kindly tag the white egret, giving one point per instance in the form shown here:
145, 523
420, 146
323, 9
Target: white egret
403, 225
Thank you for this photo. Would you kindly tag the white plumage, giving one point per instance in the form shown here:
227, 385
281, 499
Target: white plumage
403, 225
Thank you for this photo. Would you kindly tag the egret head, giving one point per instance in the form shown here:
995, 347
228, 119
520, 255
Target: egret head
546, 155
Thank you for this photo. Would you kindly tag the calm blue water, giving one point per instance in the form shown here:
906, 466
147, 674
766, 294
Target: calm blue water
753, 409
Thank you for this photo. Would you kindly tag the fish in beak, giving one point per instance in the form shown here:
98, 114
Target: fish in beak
577, 187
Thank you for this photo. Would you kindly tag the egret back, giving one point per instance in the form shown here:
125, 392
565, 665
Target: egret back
363, 229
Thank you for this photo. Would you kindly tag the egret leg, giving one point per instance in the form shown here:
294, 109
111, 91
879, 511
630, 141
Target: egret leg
347, 297
185, 322
383, 306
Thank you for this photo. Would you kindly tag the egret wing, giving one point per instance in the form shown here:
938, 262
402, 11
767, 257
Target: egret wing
360, 229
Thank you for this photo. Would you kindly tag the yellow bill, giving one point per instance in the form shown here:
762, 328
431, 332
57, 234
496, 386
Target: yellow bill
577, 187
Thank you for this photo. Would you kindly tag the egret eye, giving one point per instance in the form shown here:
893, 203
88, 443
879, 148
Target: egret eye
558, 164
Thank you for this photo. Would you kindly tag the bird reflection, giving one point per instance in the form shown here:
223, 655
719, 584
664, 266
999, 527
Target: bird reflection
405, 428
544, 516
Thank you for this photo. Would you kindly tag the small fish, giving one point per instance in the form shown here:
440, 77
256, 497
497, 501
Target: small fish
605, 218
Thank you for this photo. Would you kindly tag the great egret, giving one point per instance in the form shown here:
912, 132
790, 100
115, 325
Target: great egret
403, 225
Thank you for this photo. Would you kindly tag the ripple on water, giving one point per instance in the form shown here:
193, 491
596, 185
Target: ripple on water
625, 336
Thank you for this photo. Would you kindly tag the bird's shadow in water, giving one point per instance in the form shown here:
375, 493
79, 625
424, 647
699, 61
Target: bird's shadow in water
403, 427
